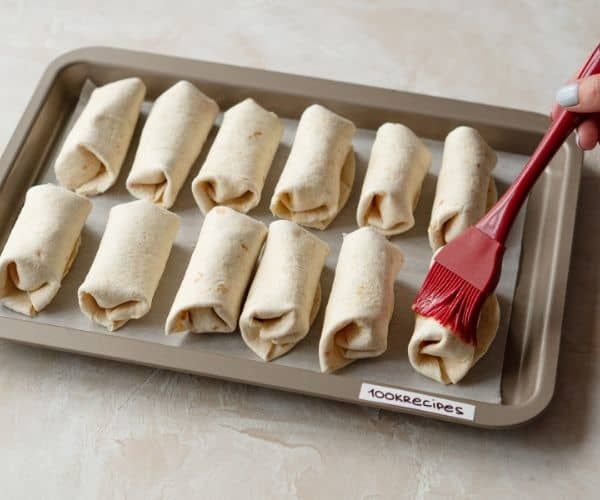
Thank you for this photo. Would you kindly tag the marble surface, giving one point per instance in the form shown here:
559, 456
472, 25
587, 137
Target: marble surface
74, 427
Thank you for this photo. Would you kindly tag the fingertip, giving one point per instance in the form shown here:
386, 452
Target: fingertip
582, 96
588, 134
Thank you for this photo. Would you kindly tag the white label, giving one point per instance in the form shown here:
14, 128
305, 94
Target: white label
415, 401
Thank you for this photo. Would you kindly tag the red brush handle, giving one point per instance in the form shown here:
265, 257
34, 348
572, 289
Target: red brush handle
498, 221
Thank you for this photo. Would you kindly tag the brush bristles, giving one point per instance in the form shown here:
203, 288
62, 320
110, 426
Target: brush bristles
452, 301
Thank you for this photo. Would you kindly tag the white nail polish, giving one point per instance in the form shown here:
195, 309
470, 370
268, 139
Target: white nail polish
568, 95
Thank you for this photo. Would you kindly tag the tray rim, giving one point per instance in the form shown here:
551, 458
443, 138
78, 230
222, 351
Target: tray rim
120, 348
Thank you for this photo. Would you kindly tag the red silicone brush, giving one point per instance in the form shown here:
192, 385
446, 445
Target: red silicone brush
466, 270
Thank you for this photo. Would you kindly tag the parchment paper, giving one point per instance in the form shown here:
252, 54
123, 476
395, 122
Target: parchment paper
392, 368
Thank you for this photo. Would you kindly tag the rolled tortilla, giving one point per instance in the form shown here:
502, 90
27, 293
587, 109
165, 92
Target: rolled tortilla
129, 263
361, 302
171, 140
211, 293
438, 353
41, 247
464, 187
397, 168
285, 295
318, 176
91, 157
238, 162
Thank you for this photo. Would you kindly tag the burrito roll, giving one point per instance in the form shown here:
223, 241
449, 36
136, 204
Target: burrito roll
237, 164
41, 247
211, 293
397, 168
317, 178
361, 302
438, 353
285, 295
91, 157
130, 261
465, 185
171, 140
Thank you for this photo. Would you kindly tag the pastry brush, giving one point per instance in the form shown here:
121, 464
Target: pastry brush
466, 270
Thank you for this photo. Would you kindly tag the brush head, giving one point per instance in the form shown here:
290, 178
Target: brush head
462, 276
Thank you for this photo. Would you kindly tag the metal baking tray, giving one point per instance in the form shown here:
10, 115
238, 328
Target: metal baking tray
530, 358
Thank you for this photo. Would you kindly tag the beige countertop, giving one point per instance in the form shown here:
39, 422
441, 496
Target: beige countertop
75, 427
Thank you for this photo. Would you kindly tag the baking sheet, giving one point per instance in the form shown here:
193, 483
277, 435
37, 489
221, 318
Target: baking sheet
481, 384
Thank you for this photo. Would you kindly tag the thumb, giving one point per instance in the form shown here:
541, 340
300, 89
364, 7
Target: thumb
582, 96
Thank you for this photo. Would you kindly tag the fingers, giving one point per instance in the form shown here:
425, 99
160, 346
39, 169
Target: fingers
588, 134
582, 96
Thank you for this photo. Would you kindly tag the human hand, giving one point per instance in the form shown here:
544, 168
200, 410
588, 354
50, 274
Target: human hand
582, 96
